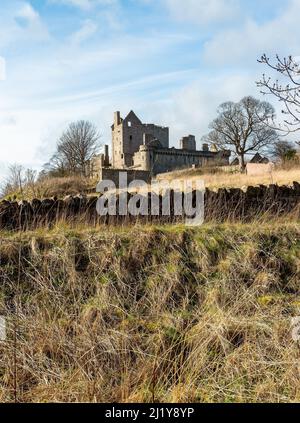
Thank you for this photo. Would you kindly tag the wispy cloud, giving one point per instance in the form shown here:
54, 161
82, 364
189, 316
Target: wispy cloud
27, 13
2, 69
87, 30
21, 23
279, 35
86, 4
203, 11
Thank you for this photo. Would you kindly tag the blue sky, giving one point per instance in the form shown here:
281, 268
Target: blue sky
171, 61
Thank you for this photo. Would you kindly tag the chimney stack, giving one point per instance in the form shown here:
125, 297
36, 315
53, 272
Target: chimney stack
117, 118
106, 156
205, 147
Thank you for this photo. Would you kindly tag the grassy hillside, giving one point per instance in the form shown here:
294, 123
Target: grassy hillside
216, 178
151, 314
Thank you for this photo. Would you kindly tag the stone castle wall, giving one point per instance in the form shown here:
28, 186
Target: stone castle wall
158, 132
167, 160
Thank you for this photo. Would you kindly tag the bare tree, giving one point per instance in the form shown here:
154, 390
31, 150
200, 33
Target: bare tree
18, 179
15, 178
78, 144
242, 128
56, 167
286, 88
30, 177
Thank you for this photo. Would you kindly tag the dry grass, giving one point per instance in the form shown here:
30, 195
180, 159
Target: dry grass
220, 179
56, 187
61, 187
151, 314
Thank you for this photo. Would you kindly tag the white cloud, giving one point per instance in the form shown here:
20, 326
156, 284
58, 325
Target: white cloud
110, 14
193, 107
21, 23
87, 30
239, 46
8, 120
2, 69
86, 4
202, 11
82, 4
28, 13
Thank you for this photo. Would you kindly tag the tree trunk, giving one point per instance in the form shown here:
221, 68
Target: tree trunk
242, 163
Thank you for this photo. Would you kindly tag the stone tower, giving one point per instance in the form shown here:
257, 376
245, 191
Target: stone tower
129, 134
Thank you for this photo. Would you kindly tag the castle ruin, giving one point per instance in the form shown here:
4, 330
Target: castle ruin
143, 150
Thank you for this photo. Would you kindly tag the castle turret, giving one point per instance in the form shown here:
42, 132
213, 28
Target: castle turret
144, 155
188, 143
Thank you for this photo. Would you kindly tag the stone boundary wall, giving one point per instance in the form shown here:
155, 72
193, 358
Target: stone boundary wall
223, 205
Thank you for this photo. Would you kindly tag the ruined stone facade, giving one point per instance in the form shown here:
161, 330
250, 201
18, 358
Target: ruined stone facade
98, 162
129, 134
145, 147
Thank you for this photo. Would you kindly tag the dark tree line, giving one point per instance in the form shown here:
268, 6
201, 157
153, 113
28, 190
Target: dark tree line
284, 151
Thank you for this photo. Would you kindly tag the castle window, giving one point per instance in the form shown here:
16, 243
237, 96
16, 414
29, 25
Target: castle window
129, 124
130, 137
